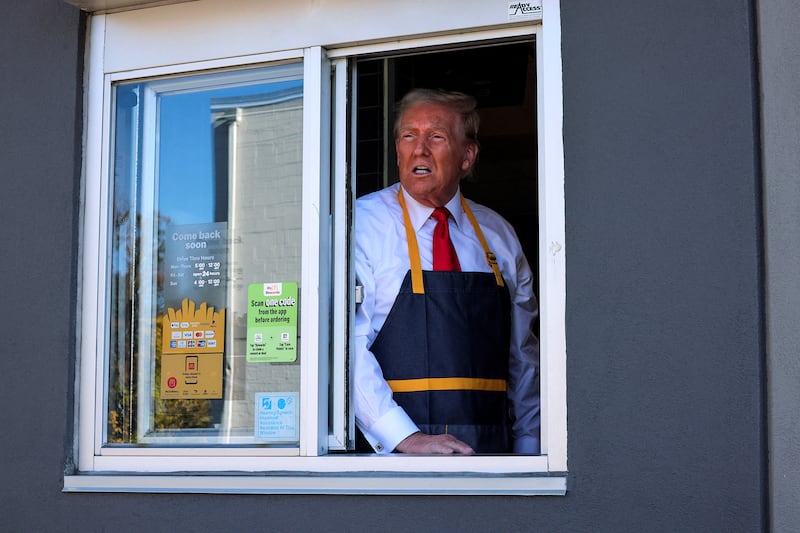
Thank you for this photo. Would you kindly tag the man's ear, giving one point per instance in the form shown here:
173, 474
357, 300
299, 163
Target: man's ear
470, 153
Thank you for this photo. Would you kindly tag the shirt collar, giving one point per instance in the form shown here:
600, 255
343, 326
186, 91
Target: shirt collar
419, 214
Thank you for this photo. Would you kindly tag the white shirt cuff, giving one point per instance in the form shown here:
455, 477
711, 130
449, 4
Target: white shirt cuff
527, 444
390, 430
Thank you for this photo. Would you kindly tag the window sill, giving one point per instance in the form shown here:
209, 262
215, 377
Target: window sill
387, 483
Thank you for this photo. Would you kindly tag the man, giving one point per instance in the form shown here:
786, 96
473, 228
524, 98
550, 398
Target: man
445, 357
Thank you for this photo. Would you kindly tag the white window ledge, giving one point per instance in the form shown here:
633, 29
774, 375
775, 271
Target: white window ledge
343, 483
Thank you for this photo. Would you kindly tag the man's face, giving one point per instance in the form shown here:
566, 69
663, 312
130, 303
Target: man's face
432, 153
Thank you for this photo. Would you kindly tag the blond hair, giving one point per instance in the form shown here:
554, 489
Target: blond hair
462, 104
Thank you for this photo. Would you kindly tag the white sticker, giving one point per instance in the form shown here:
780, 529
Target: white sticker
277, 417
518, 10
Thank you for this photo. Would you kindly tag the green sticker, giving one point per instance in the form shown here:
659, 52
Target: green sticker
272, 322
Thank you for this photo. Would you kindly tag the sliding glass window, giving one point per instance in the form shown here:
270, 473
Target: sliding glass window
205, 260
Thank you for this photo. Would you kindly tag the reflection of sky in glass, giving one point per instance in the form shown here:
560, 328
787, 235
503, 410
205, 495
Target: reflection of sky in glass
186, 165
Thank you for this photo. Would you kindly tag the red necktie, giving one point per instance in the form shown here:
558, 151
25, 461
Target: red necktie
444, 254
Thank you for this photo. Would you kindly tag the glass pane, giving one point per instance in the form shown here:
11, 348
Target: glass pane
206, 226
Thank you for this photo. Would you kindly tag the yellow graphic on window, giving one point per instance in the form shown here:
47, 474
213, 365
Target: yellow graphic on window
192, 345
193, 329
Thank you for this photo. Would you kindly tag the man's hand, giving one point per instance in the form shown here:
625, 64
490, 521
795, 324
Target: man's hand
422, 443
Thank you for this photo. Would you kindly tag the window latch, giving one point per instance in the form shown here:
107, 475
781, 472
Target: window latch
359, 295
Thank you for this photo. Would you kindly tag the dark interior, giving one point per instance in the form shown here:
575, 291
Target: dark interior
502, 79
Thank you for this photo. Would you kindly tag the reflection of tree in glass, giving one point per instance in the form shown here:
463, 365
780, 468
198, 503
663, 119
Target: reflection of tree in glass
122, 345
124, 350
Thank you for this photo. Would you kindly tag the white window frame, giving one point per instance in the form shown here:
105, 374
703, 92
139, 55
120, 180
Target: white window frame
312, 469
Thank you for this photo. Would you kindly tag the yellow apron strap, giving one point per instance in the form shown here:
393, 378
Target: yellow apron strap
417, 286
490, 257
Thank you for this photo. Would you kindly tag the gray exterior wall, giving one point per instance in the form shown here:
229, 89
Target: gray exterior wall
664, 331
665, 319
780, 87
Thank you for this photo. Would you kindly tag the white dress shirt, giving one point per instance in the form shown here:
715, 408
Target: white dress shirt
381, 262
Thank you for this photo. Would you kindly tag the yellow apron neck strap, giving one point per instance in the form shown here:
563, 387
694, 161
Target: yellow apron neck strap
417, 285
491, 259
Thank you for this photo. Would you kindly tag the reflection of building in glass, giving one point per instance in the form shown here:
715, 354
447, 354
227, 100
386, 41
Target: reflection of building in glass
258, 163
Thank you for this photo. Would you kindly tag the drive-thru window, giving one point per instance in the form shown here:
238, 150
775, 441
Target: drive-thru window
223, 156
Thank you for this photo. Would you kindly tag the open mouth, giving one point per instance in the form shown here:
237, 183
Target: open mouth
420, 171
